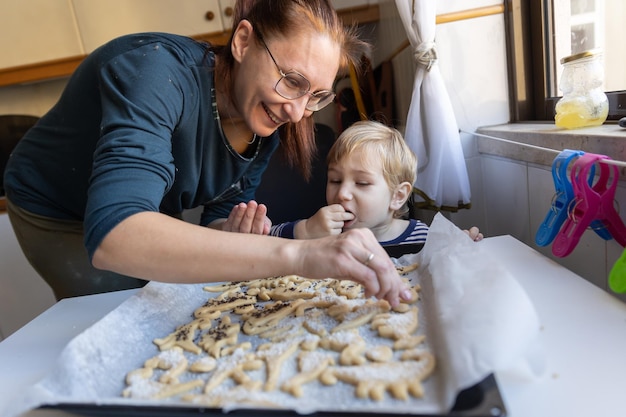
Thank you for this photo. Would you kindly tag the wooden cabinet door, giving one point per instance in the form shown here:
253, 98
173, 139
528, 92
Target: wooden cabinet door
348, 4
226, 8
102, 20
37, 30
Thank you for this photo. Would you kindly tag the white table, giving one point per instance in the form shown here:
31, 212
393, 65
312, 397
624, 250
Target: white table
584, 333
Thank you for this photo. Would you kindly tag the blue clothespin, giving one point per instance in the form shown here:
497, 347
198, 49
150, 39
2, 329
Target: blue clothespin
564, 195
559, 211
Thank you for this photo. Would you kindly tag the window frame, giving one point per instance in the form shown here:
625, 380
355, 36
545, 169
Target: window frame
529, 26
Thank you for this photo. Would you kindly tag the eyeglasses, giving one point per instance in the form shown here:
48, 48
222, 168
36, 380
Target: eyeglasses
293, 85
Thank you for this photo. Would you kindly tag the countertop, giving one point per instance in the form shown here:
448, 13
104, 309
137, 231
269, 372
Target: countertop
583, 334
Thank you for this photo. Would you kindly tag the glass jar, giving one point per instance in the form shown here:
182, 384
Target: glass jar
584, 102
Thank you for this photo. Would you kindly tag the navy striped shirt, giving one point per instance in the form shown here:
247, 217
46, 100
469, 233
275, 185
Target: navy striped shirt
415, 232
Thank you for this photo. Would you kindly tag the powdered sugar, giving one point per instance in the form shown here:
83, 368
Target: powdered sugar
309, 326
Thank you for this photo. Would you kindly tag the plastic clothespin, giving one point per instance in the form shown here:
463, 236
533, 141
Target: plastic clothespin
592, 203
564, 195
617, 276
597, 225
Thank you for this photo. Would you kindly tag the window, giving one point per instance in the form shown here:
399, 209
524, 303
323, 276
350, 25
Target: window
542, 32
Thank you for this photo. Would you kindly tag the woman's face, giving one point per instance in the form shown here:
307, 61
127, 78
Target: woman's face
357, 183
315, 56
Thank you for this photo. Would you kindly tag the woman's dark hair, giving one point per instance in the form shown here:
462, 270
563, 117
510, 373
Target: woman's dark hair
284, 18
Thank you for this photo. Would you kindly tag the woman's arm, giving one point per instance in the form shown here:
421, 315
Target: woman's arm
154, 246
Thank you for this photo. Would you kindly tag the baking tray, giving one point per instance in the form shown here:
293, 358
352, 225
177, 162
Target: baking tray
396, 251
481, 400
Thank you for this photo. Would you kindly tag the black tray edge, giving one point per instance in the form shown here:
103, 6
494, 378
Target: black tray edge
480, 400
396, 251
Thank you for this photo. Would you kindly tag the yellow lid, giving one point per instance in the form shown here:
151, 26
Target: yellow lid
581, 55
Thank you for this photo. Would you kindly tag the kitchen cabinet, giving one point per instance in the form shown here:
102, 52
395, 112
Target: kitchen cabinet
226, 9
37, 31
102, 20
62, 32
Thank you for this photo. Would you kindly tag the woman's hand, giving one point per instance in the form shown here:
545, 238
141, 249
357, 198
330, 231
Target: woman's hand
326, 221
248, 217
355, 255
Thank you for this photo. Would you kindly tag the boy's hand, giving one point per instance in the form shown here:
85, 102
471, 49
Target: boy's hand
474, 234
327, 221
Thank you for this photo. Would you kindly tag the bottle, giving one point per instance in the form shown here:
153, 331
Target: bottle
584, 102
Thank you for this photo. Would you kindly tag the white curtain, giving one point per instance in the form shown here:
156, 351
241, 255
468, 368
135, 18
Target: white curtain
432, 131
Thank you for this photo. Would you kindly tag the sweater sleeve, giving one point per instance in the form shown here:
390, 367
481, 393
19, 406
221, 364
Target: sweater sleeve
142, 100
285, 230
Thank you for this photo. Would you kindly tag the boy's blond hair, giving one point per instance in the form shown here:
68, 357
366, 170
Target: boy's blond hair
383, 143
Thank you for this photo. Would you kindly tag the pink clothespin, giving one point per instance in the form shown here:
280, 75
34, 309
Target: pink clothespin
591, 203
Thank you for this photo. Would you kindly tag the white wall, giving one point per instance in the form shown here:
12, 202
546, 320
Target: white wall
472, 61
23, 294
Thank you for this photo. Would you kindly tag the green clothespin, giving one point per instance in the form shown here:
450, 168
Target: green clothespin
617, 277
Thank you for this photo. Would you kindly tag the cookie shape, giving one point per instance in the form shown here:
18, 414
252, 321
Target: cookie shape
396, 326
182, 337
235, 369
361, 315
372, 380
224, 333
174, 362
311, 365
275, 355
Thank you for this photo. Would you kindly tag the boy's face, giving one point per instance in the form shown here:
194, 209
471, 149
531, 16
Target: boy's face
356, 183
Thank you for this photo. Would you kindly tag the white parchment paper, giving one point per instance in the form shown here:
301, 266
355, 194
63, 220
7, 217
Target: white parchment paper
477, 319
487, 321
